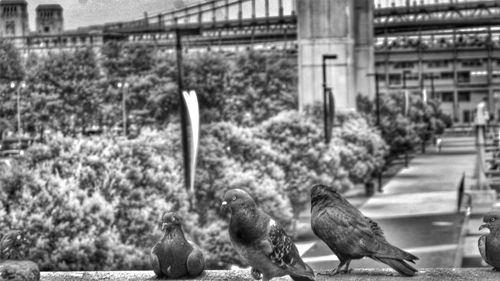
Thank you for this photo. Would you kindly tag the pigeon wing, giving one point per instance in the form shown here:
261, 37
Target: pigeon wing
195, 261
348, 233
155, 262
345, 231
481, 243
284, 253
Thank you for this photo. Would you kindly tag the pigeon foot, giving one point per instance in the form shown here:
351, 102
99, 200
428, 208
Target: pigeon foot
256, 274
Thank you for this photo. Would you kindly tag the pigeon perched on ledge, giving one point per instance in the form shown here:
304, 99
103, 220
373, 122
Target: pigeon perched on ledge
10, 245
489, 244
262, 241
351, 235
174, 256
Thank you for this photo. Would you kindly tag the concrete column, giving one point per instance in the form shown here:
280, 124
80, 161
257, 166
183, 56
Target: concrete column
365, 55
335, 27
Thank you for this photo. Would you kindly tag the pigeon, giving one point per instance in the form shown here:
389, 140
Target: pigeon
10, 245
261, 241
351, 235
489, 244
174, 256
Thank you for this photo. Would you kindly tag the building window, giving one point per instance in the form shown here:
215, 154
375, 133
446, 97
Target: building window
394, 79
10, 27
467, 116
472, 63
437, 63
447, 96
404, 64
464, 96
463, 77
446, 75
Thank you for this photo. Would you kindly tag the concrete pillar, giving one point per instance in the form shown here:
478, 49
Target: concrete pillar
365, 54
335, 27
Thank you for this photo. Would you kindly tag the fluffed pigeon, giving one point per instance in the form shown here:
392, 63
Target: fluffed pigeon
262, 241
351, 235
174, 256
489, 244
10, 245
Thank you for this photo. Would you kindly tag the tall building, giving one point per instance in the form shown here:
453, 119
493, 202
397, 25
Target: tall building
49, 19
13, 18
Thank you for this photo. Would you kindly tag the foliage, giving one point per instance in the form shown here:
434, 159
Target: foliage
93, 204
403, 133
261, 85
11, 66
66, 85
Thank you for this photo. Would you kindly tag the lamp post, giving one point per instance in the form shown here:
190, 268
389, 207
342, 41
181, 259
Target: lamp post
377, 112
377, 98
123, 88
328, 102
406, 109
20, 85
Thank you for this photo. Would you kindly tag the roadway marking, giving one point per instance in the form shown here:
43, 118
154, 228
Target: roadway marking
304, 247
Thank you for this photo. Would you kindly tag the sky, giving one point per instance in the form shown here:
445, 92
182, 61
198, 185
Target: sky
78, 13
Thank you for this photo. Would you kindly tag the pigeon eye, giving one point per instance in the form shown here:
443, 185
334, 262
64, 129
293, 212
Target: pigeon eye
234, 198
492, 219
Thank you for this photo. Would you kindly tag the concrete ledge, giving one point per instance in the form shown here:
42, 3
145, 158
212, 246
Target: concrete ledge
438, 274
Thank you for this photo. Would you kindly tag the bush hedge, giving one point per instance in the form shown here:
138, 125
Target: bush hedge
93, 203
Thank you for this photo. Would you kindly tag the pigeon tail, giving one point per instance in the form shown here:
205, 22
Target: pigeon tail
302, 278
306, 275
399, 265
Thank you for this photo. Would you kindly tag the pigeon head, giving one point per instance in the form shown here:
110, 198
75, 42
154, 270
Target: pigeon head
319, 192
169, 221
16, 236
237, 199
491, 221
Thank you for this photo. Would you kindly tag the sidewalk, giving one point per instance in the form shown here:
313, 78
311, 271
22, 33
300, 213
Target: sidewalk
418, 208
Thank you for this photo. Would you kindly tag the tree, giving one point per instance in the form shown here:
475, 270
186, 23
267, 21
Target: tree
11, 70
261, 85
11, 66
66, 86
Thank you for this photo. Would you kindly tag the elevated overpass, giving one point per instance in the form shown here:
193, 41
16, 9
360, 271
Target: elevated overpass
246, 22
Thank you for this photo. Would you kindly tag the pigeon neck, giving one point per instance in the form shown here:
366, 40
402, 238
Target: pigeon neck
495, 232
176, 232
243, 224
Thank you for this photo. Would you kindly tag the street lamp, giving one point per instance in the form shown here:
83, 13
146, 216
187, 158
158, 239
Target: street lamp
406, 108
328, 101
377, 97
377, 111
20, 85
123, 88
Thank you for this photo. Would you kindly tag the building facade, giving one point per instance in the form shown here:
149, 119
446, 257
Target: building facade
457, 67
49, 19
13, 18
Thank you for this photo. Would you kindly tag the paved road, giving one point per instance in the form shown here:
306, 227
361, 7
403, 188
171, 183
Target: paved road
417, 209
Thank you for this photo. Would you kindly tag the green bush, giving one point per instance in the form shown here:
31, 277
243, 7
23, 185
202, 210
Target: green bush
93, 204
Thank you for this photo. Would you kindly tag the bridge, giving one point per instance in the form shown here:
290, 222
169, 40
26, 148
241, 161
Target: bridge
249, 22
409, 33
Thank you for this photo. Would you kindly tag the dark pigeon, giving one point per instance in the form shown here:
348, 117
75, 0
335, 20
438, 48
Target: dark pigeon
262, 241
10, 245
489, 244
351, 235
174, 256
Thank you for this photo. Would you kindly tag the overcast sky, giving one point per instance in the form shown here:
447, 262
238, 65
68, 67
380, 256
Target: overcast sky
88, 12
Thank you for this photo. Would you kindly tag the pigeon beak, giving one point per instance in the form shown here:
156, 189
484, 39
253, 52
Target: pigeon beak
223, 205
486, 225
164, 226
